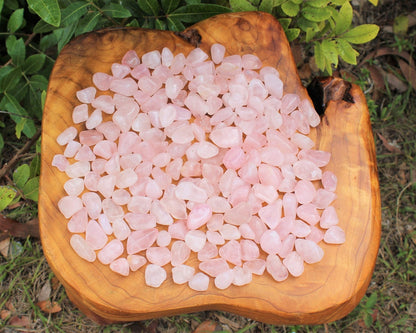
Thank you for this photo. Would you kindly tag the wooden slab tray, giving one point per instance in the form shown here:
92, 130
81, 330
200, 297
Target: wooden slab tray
325, 292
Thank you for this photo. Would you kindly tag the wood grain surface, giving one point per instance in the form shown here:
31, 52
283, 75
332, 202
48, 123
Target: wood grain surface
325, 292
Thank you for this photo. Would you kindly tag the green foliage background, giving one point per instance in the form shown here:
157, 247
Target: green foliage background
33, 32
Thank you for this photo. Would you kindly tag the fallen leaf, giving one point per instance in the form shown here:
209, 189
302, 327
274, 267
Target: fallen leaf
391, 148
376, 74
55, 283
45, 292
49, 307
395, 83
224, 320
10, 306
17, 229
4, 314
409, 72
4, 247
208, 326
20, 321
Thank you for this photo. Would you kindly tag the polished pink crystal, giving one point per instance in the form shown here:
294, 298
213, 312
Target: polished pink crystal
111, 251
158, 255
82, 248
154, 275
120, 266
136, 261
294, 263
334, 235
141, 240
231, 252
275, 268
69, 205
182, 274
199, 282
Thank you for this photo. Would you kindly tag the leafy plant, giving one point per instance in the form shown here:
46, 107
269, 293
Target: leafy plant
325, 25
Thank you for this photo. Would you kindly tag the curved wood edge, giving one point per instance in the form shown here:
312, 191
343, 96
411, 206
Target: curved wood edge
103, 310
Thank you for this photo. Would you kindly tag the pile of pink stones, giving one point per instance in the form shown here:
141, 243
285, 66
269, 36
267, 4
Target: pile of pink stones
182, 157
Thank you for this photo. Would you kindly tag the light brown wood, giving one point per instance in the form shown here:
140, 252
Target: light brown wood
325, 292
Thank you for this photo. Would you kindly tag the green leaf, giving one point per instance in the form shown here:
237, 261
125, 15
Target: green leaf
160, 25
169, 5
310, 33
64, 35
268, 5
31, 189
1, 5
316, 14
347, 52
242, 6
88, 23
196, 13
292, 34
48, 10
47, 41
20, 124
21, 175
35, 166
42, 27
10, 80
16, 49
15, 20
17, 113
174, 24
319, 56
116, 10
361, 34
329, 49
285, 22
373, 2
34, 63
39, 82
290, 8
371, 301
343, 19
317, 3
401, 24
43, 99
150, 7
73, 12
7, 195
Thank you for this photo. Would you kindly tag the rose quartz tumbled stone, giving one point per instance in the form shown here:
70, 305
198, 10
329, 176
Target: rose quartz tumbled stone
182, 274
199, 282
82, 248
154, 275
111, 251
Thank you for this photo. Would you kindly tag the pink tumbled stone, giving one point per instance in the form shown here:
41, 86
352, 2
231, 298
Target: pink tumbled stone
226, 137
119, 71
69, 205
167, 56
86, 95
209, 251
249, 250
187, 190
207, 150
316, 235
271, 214
289, 203
95, 235
106, 185
94, 119
141, 240
85, 154
151, 59
180, 253
92, 202
229, 231
300, 228
318, 157
161, 215
112, 210
111, 251
120, 266
105, 149
256, 266
307, 170
305, 191
136, 261
217, 53
154, 275
215, 237
199, 282
60, 161
334, 235
67, 136
308, 213
178, 230
239, 214
198, 216
130, 59
224, 280
269, 175
182, 274
139, 204
163, 238
294, 263
329, 218
214, 267
195, 240
234, 158
90, 137
74, 186
231, 252
251, 61
275, 268
80, 113
110, 130
72, 148
323, 198
102, 80
78, 222
287, 246
242, 276
270, 242
113, 165
158, 255
274, 85
121, 197
82, 248
329, 181
105, 224
140, 221
126, 178
121, 229
309, 251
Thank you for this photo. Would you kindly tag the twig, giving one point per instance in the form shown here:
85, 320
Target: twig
398, 205
7, 166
